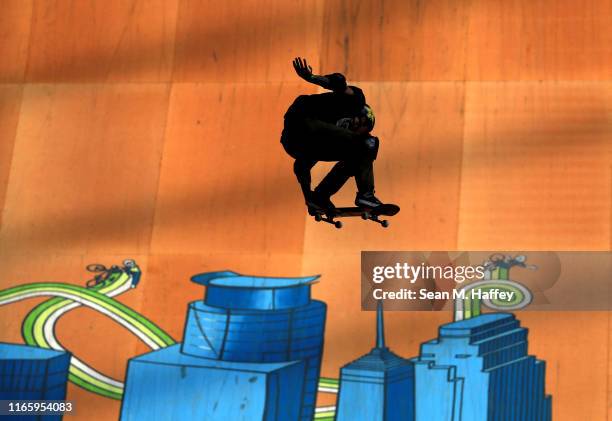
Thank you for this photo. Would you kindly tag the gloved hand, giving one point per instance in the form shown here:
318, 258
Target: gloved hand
302, 68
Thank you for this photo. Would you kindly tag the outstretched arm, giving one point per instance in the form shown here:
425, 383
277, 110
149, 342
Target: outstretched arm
335, 82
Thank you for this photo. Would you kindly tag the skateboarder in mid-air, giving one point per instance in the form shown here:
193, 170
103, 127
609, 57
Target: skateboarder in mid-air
333, 126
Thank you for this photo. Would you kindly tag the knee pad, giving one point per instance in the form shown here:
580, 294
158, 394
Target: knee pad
371, 147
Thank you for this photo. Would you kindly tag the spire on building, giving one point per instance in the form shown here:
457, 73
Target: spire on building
377, 386
380, 326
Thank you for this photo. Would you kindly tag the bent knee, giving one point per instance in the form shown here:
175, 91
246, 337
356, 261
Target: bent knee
370, 147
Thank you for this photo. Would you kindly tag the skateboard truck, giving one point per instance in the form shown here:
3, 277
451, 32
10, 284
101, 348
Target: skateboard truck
330, 220
367, 215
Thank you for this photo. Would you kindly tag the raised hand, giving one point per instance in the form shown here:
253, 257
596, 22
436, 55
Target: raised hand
302, 68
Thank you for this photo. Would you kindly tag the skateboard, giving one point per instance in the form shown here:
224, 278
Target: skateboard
366, 213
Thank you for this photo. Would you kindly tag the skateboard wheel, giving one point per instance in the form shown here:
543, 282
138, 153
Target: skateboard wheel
365, 216
384, 223
318, 217
338, 224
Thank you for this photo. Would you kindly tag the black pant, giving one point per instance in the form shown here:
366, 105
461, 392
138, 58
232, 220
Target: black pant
309, 141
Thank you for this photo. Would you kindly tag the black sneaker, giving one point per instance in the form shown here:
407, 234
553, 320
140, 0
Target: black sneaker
367, 200
318, 203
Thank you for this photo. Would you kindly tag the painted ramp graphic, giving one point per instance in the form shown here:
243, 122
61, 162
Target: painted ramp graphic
38, 328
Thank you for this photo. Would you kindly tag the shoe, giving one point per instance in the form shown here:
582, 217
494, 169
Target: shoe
318, 203
367, 200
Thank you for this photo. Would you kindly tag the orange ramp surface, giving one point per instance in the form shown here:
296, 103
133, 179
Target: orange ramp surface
150, 130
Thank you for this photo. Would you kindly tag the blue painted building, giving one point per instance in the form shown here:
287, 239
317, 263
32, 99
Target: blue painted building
479, 370
252, 351
30, 373
378, 386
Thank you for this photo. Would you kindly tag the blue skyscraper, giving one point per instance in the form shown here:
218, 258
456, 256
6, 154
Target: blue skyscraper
378, 386
30, 373
479, 370
252, 351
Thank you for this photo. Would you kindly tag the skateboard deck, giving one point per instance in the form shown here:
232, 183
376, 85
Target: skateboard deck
365, 213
